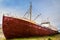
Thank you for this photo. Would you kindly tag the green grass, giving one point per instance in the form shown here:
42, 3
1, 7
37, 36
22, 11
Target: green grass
54, 37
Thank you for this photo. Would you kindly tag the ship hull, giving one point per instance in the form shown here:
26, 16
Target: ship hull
16, 28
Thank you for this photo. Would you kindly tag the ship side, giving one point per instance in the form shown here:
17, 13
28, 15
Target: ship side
16, 28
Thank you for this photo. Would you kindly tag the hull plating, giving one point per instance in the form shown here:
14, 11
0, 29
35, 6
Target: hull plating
16, 28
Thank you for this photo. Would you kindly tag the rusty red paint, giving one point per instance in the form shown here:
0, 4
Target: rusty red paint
16, 28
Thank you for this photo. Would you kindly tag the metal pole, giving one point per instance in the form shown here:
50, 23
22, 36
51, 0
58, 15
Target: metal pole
30, 10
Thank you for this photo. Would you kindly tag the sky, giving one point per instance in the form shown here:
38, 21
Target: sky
48, 9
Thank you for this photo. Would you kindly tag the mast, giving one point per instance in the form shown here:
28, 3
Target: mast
30, 10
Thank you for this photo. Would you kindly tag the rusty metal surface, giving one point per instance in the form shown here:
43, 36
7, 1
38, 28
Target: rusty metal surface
16, 28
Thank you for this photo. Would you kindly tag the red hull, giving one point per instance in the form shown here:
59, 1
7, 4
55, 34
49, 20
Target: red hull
15, 28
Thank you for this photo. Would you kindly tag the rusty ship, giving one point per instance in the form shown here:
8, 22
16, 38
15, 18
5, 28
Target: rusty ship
19, 27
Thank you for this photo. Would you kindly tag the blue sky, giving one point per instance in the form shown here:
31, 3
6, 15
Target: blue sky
48, 8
